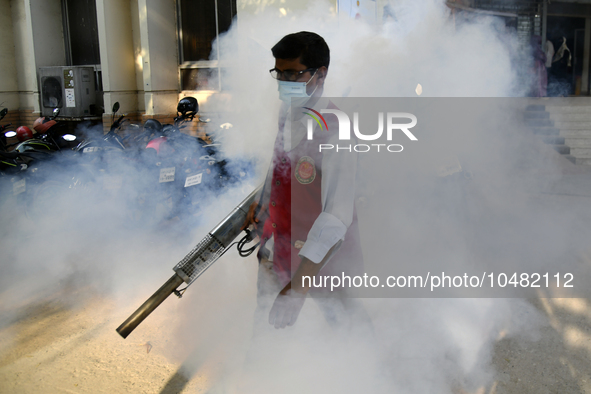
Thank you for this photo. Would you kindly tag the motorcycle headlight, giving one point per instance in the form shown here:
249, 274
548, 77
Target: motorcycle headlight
69, 137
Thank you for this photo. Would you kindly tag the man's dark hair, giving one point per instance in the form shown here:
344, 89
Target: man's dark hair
309, 47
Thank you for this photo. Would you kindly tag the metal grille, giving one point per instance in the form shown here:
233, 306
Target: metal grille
528, 15
524, 29
199, 259
527, 7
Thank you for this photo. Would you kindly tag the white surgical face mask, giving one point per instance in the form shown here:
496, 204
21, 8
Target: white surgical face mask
295, 92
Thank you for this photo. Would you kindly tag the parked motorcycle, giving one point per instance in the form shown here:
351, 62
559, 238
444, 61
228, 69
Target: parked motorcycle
46, 167
51, 136
13, 162
189, 168
3, 142
109, 141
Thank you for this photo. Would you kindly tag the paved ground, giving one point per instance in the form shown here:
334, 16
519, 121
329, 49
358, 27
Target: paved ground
559, 360
65, 341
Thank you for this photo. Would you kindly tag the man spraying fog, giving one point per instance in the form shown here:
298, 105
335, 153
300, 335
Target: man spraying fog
306, 215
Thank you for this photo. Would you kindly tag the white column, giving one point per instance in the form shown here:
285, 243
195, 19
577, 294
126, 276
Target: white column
9, 97
38, 42
159, 55
118, 58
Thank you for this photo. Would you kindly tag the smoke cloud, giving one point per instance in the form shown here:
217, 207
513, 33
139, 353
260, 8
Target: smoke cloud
82, 242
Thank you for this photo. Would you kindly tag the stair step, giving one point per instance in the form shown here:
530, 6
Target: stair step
568, 109
553, 140
572, 133
586, 162
536, 115
539, 122
574, 117
546, 131
570, 158
563, 149
536, 107
581, 153
573, 125
577, 142
545, 121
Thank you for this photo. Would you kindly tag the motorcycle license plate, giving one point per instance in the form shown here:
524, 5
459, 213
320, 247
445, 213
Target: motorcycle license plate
193, 180
19, 187
166, 175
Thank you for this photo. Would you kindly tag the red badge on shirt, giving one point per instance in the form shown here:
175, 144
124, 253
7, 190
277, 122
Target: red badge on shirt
305, 171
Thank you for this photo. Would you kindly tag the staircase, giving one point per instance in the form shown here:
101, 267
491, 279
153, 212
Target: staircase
564, 123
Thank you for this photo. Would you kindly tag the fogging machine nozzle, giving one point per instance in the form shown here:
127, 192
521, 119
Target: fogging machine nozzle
195, 262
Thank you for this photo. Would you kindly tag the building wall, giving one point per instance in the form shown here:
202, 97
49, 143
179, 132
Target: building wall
138, 49
8, 83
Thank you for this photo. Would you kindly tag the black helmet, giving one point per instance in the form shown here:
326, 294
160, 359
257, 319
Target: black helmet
153, 125
188, 106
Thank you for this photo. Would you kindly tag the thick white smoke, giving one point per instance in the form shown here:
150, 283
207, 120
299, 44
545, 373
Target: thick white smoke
417, 346
87, 244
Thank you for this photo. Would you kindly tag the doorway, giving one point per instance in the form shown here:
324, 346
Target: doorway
565, 74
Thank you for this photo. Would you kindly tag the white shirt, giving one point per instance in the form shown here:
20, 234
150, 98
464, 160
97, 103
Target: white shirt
549, 53
339, 170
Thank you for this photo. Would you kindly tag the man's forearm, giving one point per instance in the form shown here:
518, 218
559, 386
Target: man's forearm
307, 268
310, 269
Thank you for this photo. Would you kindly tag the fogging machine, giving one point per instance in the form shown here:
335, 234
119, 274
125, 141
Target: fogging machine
211, 248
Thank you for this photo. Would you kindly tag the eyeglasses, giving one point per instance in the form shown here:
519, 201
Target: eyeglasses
289, 75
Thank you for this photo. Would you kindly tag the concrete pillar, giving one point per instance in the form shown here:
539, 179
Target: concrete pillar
114, 20
586, 52
159, 55
38, 42
24, 55
9, 97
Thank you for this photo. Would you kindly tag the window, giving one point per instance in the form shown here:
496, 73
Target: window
81, 38
199, 23
81, 32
